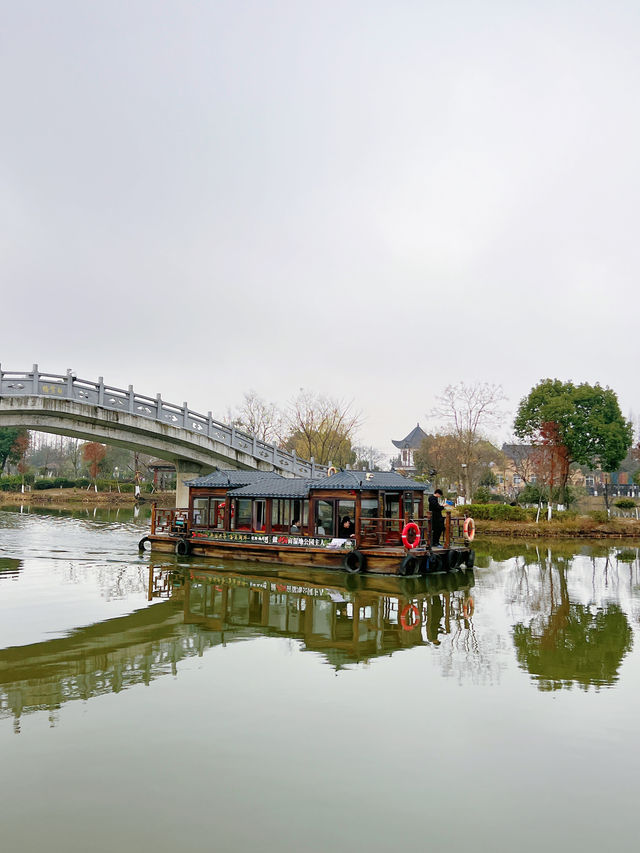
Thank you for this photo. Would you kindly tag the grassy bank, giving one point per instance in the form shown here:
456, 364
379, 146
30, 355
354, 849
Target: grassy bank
579, 527
81, 497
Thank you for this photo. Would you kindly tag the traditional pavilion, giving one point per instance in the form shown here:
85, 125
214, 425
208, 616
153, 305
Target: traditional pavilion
408, 446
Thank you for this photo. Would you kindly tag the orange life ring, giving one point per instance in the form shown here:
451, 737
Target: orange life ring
467, 608
469, 528
411, 525
410, 608
331, 471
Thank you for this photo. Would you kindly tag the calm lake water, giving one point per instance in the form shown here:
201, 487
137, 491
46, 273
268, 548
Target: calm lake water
184, 704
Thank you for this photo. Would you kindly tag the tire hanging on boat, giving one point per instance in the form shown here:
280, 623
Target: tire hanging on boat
453, 559
410, 565
183, 548
354, 562
142, 543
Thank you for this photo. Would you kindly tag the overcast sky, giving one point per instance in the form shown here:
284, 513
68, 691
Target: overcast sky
369, 199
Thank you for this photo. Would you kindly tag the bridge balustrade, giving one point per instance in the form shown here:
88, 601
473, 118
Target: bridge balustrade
69, 387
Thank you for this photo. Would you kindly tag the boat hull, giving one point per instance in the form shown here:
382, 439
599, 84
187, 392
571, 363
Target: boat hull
381, 560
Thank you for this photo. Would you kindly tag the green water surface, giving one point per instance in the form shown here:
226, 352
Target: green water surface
185, 704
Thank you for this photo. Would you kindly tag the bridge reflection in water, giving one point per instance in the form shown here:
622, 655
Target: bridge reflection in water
348, 620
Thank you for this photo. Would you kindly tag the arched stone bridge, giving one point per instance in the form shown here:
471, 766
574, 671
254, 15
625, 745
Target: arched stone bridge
92, 411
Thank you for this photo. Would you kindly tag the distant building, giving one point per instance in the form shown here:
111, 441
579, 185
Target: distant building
407, 447
164, 474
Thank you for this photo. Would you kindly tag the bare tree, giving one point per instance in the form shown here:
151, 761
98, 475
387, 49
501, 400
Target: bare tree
368, 457
260, 418
322, 428
469, 410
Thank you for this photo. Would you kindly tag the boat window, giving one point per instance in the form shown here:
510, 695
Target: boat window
369, 508
391, 506
242, 520
259, 515
200, 512
346, 508
324, 512
281, 515
216, 514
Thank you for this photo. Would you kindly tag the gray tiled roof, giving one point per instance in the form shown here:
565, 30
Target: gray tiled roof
233, 479
265, 484
518, 452
275, 488
365, 480
413, 440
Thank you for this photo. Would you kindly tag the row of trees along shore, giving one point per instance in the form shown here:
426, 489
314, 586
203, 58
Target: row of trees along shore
559, 424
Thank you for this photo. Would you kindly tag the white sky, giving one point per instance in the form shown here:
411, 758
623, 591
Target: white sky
366, 199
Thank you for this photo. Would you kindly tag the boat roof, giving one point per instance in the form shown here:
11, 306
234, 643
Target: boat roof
358, 481
232, 479
280, 487
370, 481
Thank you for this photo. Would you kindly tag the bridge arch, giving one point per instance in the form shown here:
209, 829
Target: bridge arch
65, 405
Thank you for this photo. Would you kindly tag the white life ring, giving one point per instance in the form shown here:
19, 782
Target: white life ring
331, 471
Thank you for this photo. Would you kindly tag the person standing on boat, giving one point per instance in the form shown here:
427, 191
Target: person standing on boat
437, 521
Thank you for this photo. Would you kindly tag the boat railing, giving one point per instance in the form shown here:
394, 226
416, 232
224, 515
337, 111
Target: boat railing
456, 530
169, 522
388, 531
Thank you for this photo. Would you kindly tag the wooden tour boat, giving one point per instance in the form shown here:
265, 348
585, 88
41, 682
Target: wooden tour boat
357, 521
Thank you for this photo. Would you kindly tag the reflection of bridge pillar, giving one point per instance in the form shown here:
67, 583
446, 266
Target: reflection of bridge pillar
185, 471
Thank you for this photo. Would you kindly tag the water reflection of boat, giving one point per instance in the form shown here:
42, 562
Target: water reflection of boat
346, 619
348, 622
9, 568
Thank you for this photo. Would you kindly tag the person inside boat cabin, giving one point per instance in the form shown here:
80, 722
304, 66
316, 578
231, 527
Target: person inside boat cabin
347, 528
437, 521
319, 527
295, 527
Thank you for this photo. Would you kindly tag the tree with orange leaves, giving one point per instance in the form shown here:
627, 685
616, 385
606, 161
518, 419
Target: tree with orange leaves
93, 454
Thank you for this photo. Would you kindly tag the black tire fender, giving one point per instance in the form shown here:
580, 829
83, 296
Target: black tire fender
142, 543
409, 566
453, 559
354, 562
183, 548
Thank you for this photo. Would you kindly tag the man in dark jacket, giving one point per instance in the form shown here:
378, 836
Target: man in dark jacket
437, 521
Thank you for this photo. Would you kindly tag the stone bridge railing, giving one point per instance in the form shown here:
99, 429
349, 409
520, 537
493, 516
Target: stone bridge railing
68, 387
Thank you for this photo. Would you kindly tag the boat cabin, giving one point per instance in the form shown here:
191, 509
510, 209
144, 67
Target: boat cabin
372, 507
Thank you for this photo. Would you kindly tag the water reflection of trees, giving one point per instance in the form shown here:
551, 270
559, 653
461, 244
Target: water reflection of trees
569, 636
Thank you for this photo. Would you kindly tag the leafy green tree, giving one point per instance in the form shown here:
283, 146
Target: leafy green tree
581, 423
